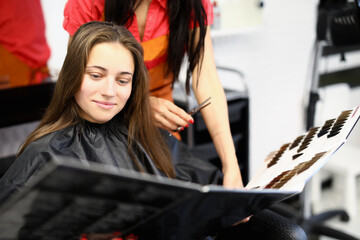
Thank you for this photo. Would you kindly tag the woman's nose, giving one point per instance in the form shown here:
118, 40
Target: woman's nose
108, 87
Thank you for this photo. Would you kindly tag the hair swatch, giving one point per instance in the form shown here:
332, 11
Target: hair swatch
305, 165
310, 135
296, 156
278, 155
297, 142
284, 177
326, 127
338, 125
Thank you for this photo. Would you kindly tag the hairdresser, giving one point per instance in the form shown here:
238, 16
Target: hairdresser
167, 31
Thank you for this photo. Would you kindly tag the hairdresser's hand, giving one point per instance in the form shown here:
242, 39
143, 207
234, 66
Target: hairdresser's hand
232, 177
169, 116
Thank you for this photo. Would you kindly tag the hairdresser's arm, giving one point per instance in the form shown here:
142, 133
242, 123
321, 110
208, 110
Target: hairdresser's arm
208, 84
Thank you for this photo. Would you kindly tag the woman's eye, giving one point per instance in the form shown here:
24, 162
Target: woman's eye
123, 81
95, 76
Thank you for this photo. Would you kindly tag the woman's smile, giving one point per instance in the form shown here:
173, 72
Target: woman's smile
104, 104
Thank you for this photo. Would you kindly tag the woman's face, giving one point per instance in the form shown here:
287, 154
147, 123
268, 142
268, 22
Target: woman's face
107, 82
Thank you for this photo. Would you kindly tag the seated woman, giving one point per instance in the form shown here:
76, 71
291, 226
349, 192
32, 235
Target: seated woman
100, 100
100, 112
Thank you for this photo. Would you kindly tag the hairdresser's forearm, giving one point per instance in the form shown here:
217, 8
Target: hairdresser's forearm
217, 121
208, 84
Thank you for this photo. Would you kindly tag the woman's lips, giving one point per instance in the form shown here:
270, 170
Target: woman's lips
105, 105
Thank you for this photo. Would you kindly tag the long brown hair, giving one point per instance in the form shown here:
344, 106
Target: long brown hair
182, 14
63, 110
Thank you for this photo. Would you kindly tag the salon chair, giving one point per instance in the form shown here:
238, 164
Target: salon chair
22, 108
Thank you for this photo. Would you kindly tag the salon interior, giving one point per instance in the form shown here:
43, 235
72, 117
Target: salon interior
286, 66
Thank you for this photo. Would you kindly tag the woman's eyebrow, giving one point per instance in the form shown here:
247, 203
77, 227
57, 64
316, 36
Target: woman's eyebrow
105, 70
99, 67
126, 73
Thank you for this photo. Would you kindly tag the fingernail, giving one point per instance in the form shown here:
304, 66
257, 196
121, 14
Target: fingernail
182, 128
187, 125
191, 121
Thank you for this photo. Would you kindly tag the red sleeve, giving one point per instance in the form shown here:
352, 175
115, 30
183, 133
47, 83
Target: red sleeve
209, 11
78, 12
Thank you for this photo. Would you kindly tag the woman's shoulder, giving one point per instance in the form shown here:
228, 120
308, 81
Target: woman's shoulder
73, 139
46, 142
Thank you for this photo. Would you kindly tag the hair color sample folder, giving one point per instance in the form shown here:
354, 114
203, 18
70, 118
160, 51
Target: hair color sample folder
67, 198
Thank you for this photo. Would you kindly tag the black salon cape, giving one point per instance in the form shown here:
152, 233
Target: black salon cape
106, 144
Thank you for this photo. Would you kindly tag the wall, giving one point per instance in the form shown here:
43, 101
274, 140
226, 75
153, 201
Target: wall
273, 55
56, 35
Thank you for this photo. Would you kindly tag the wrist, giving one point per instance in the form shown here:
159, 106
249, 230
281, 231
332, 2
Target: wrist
230, 162
231, 168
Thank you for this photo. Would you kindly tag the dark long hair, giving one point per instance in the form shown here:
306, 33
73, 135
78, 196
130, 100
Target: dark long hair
63, 110
182, 14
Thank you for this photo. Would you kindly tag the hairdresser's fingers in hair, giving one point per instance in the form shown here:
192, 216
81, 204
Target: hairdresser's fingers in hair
167, 115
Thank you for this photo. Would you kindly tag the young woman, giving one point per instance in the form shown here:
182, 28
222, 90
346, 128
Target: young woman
168, 30
100, 112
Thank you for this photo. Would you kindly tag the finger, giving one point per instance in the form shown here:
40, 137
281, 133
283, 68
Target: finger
242, 221
159, 108
162, 122
168, 117
245, 220
180, 116
184, 116
175, 119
